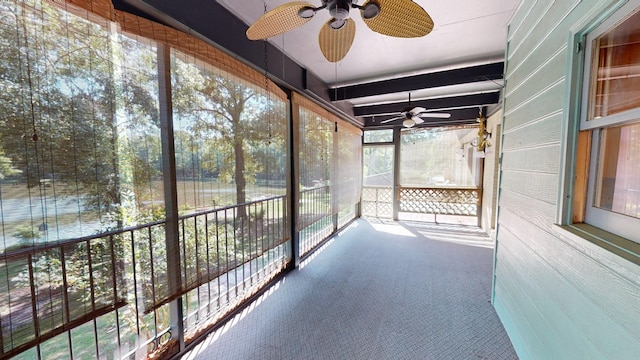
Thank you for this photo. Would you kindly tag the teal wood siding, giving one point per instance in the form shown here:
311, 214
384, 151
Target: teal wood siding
559, 296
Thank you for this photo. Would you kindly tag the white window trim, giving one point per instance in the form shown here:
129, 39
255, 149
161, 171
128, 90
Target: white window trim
615, 119
619, 224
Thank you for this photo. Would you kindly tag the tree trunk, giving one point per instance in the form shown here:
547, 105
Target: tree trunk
239, 173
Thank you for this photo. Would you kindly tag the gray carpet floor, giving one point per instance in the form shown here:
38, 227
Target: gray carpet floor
379, 290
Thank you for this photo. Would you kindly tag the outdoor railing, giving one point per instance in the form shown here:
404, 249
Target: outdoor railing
106, 296
440, 201
315, 219
378, 201
250, 250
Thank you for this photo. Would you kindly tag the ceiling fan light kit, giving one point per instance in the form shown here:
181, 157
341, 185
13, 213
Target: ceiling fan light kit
307, 12
370, 10
396, 18
409, 123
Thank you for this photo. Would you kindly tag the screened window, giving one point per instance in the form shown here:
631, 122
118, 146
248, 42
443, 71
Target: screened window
377, 167
438, 158
611, 122
230, 137
86, 159
79, 132
378, 136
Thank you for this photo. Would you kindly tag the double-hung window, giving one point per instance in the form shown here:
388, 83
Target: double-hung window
610, 126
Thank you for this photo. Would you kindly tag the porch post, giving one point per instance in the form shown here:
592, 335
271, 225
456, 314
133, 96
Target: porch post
294, 181
170, 193
396, 172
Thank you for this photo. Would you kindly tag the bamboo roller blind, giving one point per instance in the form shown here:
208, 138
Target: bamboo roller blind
189, 44
301, 100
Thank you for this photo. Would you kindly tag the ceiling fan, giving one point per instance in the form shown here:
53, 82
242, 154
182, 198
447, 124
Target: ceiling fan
415, 115
397, 18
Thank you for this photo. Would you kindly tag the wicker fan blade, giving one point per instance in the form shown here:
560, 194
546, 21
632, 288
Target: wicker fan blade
335, 44
435, 115
400, 18
393, 119
277, 21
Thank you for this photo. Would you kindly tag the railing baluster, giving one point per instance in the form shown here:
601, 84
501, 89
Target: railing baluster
93, 297
243, 247
153, 278
95, 338
235, 250
254, 240
207, 238
269, 234
91, 284
197, 250
135, 281
115, 287
183, 241
218, 257
226, 251
34, 300
65, 284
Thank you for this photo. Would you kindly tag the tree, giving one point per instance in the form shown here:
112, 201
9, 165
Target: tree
65, 88
6, 168
316, 149
226, 117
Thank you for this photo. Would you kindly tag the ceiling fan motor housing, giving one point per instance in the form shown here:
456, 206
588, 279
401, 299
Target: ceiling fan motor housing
339, 9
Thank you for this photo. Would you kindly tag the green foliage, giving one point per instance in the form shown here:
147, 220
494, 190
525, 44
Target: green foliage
79, 108
227, 129
26, 234
6, 168
63, 99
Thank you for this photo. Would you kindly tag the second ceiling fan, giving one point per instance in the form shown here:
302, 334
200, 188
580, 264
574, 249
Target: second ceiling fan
397, 18
414, 115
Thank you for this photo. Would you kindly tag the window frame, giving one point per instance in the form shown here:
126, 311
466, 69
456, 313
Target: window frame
619, 224
574, 167
375, 142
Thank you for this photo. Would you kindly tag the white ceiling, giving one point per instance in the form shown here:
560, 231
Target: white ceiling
466, 33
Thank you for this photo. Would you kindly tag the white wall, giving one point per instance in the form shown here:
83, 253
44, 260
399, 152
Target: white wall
559, 296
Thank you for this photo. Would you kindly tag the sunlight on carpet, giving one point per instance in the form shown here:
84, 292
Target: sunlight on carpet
393, 229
